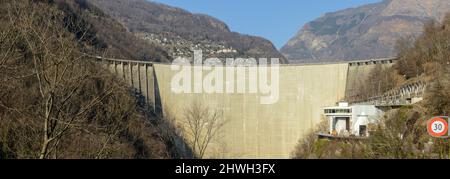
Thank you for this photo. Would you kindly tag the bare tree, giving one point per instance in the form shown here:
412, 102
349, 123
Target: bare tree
60, 77
202, 125
57, 103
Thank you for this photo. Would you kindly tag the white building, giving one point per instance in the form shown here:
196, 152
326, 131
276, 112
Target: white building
346, 121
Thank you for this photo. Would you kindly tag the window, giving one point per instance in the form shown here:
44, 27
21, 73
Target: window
337, 111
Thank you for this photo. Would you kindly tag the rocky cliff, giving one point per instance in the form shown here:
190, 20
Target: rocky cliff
369, 31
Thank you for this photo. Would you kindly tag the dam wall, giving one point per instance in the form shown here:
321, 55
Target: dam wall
252, 130
255, 130
359, 74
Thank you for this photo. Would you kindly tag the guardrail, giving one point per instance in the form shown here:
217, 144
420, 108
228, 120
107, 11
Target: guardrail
398, 97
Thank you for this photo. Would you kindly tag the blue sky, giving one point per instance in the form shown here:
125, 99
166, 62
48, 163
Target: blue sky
276, 20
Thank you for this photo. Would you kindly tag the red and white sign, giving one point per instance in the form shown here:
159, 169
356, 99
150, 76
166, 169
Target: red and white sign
438, 127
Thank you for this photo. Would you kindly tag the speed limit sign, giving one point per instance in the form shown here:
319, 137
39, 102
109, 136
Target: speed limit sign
438, 127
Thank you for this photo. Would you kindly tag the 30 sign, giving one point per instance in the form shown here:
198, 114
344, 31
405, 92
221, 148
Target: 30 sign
438, 127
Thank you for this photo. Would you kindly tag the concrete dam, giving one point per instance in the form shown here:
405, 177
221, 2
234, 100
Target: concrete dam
253, 130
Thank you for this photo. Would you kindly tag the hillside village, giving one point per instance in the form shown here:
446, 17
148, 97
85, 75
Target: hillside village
179, 47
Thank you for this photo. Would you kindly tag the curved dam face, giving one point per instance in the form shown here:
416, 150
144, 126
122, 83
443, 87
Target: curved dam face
252, 129
255, 130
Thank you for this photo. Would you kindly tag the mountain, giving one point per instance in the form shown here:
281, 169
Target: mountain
369, 31
107, 36
178, 31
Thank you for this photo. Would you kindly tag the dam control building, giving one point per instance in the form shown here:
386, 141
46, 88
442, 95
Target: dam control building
346, 120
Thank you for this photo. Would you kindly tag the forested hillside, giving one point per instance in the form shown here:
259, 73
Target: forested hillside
98, 30
57, 103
